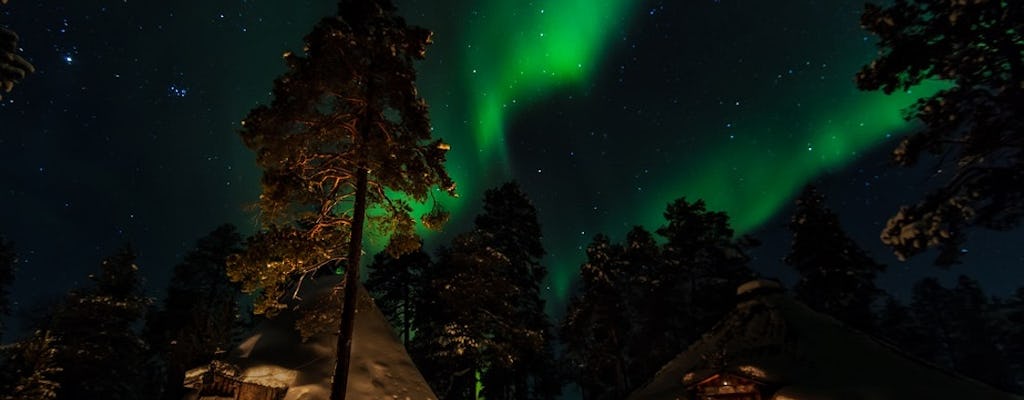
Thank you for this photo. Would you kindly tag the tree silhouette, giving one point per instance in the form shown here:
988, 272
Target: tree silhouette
508, 225
200, 315
28, 369
958, 331
97, 347
346, 132
704, 264
7, 267
642, 304
396, 285
596, 327
975, 125
837, 277
13, 68
482, 317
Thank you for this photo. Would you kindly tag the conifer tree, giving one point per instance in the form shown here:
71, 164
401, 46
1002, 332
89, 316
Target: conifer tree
200, 315
98, 348
486, 316
346, 132
704, 264
929, 304
396, 285
509, 226
975, 347
596, 327
28, 369
642, 304
959, 332
1012, 312
975, 125
837, 277
8, 261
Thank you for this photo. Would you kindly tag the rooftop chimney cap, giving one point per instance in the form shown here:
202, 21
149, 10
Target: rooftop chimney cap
759, 285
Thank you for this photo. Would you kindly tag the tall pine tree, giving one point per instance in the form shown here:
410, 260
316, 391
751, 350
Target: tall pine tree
346, 132
704, 264
596, 328
837, 277
484, 316
509, 226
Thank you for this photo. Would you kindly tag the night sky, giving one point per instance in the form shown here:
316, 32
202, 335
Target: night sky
603, 110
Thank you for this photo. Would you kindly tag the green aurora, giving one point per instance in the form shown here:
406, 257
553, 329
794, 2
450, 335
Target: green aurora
514, 54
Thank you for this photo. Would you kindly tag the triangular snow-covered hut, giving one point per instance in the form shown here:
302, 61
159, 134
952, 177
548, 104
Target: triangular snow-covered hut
771, 347
274, 363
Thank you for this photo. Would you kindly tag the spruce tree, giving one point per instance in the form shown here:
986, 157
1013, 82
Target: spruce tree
28, 368
704, 264
396, 285
837, 277
929, 304
200, 315
345, 133
8, 261
975, 347
975, 125
484, 315
596, 327
100, 352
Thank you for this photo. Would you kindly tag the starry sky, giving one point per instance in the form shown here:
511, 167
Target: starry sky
604, 111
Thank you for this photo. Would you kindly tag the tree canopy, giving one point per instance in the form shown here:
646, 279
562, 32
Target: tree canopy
345, 133
837, 277
975, 125
13, 68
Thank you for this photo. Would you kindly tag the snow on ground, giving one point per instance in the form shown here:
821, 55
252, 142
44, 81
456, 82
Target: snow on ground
381, 369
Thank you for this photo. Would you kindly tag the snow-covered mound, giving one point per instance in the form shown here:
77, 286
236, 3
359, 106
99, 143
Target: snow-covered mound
788, 351
276, 356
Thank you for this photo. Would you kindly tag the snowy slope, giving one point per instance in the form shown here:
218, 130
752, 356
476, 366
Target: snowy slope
381, 369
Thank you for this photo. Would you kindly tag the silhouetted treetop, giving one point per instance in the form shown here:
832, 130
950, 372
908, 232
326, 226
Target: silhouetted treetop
975, 125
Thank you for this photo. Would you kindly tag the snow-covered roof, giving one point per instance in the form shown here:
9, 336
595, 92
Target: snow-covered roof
773, 339
380, 368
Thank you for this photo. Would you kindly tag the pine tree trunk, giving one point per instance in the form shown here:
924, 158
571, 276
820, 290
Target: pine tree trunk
348, 314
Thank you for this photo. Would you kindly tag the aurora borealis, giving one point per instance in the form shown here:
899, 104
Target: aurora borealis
603, 110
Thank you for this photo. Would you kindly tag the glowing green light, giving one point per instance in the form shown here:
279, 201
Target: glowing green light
519, 52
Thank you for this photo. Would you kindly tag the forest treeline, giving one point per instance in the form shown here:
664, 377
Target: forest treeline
472, 313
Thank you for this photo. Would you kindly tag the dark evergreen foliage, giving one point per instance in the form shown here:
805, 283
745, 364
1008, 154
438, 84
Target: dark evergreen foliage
346, 124
396, 285
28, 369
8, 261
975, 125
1010, 314
641, 304
703, 266
201, 315
596, 328
958, 331
101, 354
483, 314
837, 277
